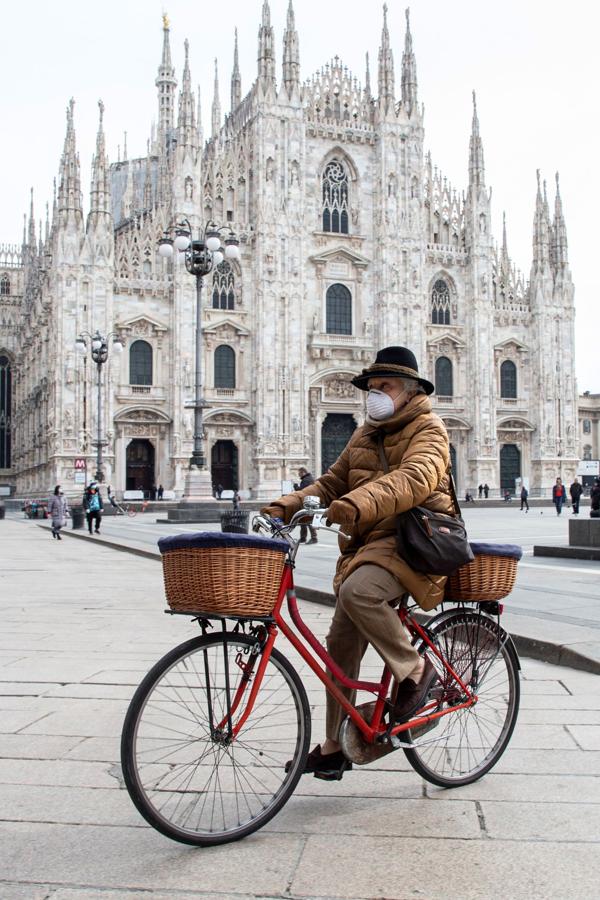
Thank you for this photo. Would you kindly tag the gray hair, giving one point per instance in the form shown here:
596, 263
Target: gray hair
413, 387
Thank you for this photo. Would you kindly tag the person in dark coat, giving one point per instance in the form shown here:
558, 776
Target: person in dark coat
524, 499
480, 490
93, 506
58, 510
575, 491
559, 495
486, 490
160, 491
595, 499
306, 479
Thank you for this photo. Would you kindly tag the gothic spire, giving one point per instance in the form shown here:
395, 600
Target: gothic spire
216, 106
476, 166
504, 260
291, 52
236, 78
541, 231
559, 232
31, 235
186, 117
367, 78
69, 190
386, 67
100, 190
147, 201
409, 71
165, 84
266, 46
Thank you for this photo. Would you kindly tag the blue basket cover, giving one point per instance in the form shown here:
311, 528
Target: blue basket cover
512, 550
212, 539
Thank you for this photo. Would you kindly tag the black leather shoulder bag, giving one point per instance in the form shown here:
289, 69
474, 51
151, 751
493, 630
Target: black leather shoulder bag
430, 542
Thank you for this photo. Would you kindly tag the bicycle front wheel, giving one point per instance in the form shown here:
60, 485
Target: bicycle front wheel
131, 512
469, 742
185, 777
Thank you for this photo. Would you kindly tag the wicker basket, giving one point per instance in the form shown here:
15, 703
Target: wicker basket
226, 574
490, 576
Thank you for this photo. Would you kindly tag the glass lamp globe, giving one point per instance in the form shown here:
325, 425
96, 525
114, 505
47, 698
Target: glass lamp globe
80, 346
165, 249
232, 251
182, 241
117, 346
217, 258
96, 344
213, 241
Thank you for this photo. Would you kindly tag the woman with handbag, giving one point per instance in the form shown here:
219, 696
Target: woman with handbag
390, 478
58, 510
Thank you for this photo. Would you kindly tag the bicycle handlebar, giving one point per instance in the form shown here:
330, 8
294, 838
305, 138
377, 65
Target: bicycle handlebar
276, 527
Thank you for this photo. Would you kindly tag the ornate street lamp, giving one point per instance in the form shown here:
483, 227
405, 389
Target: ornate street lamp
202, 255
99, 348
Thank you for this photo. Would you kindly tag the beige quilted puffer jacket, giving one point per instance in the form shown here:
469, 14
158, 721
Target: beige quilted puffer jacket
365, 500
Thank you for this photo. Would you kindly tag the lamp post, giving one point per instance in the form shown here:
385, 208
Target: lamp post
99, 348
202, 254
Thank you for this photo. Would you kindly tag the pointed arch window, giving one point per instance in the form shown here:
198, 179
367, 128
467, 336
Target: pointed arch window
508, 380
335, 197
5, 286
440, 303
223, 294
5, 412
338, 312
587, 426
225, 367
444, 386
140, 363
587, 451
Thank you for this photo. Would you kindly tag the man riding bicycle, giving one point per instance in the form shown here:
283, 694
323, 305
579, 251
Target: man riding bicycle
364, 498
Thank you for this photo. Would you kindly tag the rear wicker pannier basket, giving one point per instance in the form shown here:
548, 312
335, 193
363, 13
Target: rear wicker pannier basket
490, 576
226, 574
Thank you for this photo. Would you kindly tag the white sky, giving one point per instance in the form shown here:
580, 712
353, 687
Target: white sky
532, 63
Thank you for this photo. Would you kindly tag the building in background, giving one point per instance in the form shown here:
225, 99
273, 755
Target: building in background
351, 240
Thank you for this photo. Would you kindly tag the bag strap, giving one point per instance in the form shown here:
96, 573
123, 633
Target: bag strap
384, 463
386, 468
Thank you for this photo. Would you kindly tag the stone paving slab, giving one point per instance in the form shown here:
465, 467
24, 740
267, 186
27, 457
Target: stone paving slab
555, 789
531, 822
471, 870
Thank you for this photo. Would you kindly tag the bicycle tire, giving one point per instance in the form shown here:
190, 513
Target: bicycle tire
470, 741
131, 512
190, 787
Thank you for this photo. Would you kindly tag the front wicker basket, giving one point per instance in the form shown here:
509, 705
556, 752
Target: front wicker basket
490, 576
241, 577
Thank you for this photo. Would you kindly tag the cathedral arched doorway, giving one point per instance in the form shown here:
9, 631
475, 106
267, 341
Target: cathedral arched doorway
510, 466
224, 465
139, 461
337, 430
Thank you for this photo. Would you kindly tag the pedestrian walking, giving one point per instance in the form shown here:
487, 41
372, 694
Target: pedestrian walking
480, 490
111, 498
306, 479
595, 499
524, 499
160, 491
486, 490
559, 495
58, 510
236, 499
576, 490
93, 506
220, 490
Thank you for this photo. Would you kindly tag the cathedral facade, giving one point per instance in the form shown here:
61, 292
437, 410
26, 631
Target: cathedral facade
351, 239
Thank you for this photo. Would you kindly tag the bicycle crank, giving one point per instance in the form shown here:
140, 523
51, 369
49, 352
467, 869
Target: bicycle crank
361, 752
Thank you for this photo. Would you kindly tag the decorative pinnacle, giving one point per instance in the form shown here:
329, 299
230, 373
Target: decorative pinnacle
101, 108
186, 46
165, 21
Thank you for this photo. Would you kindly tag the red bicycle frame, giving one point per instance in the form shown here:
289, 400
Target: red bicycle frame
370, 730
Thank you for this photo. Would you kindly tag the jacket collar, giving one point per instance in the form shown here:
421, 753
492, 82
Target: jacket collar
418, 405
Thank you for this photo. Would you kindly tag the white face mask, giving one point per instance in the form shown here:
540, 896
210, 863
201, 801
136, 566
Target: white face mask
380, 405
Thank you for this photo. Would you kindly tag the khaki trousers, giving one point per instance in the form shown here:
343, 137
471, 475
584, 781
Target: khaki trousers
364, 614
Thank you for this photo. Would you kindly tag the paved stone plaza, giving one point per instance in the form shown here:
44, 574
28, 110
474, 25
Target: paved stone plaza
83, 623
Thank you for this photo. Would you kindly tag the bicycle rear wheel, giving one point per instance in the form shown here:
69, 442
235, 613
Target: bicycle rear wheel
131, 512
471, 741
192, 784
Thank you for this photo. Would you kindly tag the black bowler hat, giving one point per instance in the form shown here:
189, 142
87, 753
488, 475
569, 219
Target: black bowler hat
397, 362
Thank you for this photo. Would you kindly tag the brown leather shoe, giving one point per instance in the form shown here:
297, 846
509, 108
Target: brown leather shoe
412, 695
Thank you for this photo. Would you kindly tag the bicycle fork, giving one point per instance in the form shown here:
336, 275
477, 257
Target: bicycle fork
225, 731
